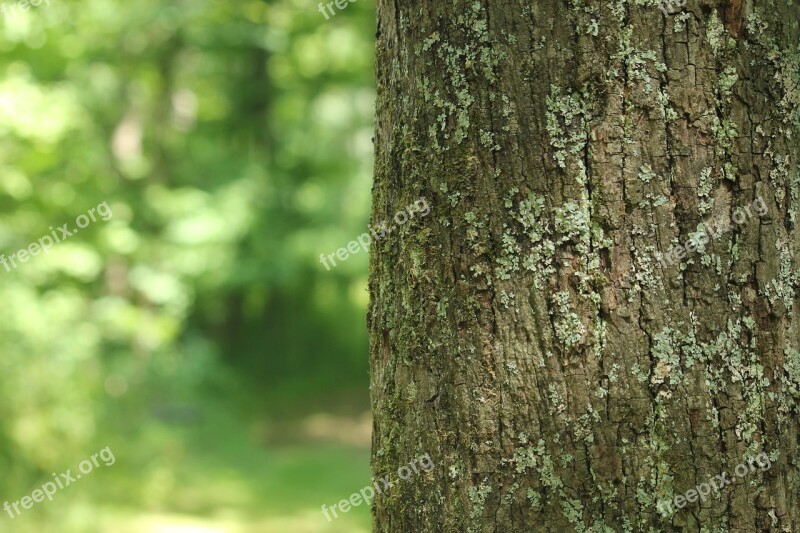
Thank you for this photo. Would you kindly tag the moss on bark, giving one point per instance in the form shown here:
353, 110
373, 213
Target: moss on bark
528, 334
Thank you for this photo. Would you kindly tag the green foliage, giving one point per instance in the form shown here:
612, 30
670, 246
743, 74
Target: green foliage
231, 141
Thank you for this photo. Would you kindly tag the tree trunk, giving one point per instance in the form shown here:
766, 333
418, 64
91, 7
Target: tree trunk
540, 333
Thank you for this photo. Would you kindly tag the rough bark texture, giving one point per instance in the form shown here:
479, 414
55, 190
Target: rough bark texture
525, 333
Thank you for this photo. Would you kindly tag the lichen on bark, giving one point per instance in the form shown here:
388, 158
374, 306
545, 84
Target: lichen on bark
525, 334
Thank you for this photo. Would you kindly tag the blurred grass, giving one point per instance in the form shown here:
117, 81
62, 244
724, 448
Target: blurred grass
217, 475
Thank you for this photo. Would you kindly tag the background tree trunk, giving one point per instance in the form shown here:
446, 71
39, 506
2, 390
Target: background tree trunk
525, 333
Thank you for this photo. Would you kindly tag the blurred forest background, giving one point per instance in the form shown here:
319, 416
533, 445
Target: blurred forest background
196, 332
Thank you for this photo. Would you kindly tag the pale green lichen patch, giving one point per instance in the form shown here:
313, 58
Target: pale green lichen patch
794, 197
786, 62
667, 360
704, 191
725, 131
585, 18
477, 497
727, 358
569, 328
572, 224
566, 123
573, 512
715, 34
790, 380
477, 55
508, 262
525, 458
631, 64
679, 23
727, 80
783, 288
534, 498
526, 243
646, 174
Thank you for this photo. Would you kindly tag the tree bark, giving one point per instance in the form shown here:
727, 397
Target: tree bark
533, 333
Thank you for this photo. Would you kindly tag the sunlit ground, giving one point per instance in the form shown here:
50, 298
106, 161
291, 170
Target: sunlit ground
220, 475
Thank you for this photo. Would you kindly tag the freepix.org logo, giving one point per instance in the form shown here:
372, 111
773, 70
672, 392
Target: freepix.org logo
45, 243
670, 7
60, 481
23, 5
367, 494
703, 490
